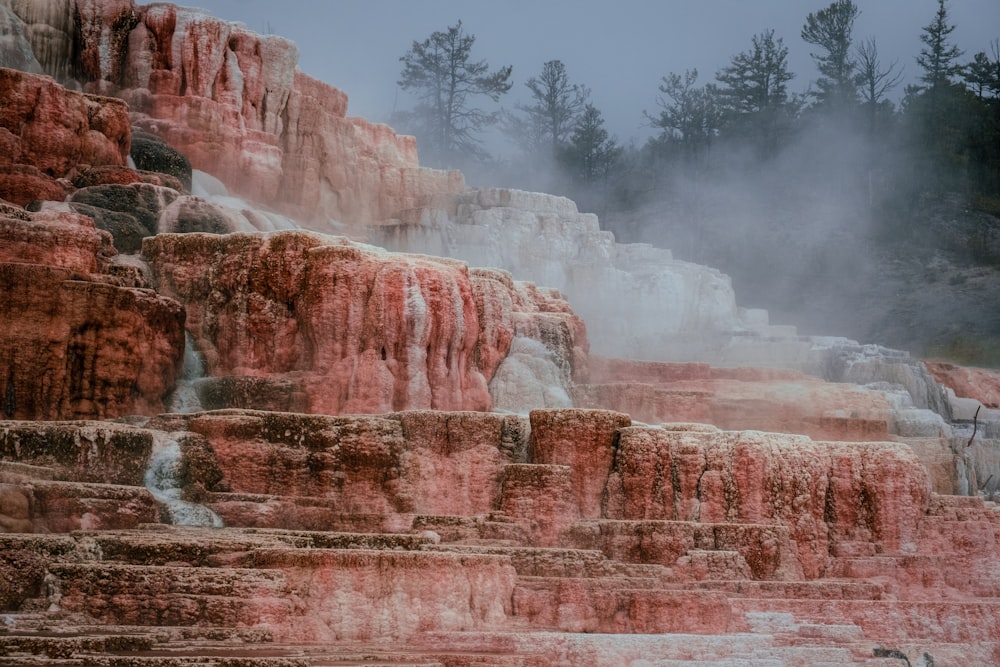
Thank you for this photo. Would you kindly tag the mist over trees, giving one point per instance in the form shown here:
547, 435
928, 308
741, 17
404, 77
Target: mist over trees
795, 192
549, 117
831, 29
446, 81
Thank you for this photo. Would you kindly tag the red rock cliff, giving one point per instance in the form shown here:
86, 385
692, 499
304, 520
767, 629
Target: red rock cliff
356, 328
48, 133
235, 104
81, 337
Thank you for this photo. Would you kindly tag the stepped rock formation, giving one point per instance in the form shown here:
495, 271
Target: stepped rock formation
233, 102
689, 308
461, 532
788, 503
82, 337
48, 133
354, 328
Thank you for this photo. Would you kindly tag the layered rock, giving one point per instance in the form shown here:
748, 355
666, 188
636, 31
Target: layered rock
82, 336
234, 104
545, 239
48, 132
358, 329
754, 546
782, 401
976, 384
818, 490
469, 538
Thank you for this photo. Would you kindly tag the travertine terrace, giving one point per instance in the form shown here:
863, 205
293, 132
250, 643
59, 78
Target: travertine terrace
270, 433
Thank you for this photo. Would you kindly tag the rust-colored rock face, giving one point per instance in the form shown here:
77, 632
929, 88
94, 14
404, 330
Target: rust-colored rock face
358, 329
424, 462
825, 493
678, 513
456, 538
234, 103
583, 440
47, 132
78, 340
979, 384
368, 332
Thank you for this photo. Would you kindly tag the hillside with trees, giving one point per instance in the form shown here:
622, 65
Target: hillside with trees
846, 204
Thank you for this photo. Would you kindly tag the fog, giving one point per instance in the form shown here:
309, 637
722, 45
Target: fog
803, 233
618, 49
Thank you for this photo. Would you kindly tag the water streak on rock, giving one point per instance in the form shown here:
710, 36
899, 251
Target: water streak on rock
163, 479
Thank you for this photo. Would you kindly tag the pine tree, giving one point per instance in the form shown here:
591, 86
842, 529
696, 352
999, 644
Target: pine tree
555, 107
591, 152
689, 115
939, 58
439, 71
831, 29
754, 93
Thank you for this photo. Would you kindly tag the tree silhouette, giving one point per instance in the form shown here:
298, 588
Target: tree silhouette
556, 104
440, 72
830, 29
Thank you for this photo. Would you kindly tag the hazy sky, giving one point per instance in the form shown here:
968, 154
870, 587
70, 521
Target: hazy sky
619, 49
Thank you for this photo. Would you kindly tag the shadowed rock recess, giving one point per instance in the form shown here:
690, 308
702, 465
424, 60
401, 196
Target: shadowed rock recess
272, 394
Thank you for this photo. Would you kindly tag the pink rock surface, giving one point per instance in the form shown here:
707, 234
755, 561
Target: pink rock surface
76, 343
416, 592
359, 329
47, 131
764, 399
748, 544
824, 492
234, 103
444, 463
981, 384
583, 440
80, 451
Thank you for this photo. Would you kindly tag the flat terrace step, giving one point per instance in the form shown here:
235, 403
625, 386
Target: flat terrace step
64, 646
603, 650
922, 575
81, 651
542, 561
45, 625
194, 661
115, 593
14, 471
816, 589
215, 547
335, 558
618, 606
255, 510
494, 529
738, 649
401, 655
51, 546
99, 577
667, 542
890, 621
963, 508
61, 507
560, 562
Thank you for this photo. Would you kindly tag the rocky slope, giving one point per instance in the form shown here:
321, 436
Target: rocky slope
234, 103
83, 337
389, 438
48, 133
353, 328
453, 537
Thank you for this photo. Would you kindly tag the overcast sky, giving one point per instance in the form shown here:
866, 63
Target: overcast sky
619, 49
